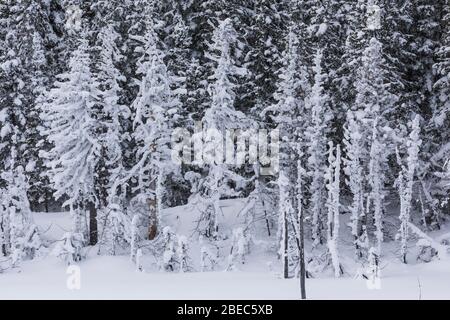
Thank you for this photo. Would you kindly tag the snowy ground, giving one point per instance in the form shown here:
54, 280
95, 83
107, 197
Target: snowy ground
104, 277
115, 278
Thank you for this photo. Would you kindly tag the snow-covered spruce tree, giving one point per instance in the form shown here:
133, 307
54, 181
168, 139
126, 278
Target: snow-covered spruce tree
405, 183
111, 116
20, 237
373, 101
289, 110
155, 109
376, 182
27, 40
218, 118
439, 154
266, 41
71, 127
332, 178
323, 26
354, 170
316, 149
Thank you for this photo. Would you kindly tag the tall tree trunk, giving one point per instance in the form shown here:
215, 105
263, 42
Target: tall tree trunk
286, 243
93, 230
302, 257
46, 200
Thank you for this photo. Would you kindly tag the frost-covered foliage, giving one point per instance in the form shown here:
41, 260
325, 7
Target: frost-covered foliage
19, 236
114, 229
285, 231
239, 249
405, 184
169, 258
92, 91
209, 255
70, 247
332, 178
155, 108
316, 151
219, 117
71, 128
183, 254
354, 170
175, 252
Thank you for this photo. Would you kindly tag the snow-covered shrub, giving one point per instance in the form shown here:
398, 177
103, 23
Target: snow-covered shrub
175, 252
239, 248
182, 252
426, 251
115, 228
19, 237
209, 255
169, 257
32, 244
69, 249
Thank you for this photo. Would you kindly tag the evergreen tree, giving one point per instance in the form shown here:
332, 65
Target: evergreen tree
155, 107
316, 145
71, 127
332, 178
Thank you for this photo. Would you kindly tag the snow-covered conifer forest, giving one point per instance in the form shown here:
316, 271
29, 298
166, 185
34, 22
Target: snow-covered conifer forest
113, 119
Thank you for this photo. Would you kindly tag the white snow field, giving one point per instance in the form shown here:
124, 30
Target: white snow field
115, 277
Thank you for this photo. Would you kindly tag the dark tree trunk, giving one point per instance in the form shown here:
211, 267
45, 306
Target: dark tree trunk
286, 243
93, 230
46, 201
153, 211
302, 258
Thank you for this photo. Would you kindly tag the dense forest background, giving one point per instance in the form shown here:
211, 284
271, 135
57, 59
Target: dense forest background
91, 92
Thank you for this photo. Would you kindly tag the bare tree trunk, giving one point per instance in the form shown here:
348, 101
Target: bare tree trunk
302, 257
93, 230
286, 243
46, 195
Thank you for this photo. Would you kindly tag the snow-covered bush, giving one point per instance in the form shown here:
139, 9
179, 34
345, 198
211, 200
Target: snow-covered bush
169, 257
239, 248
209, 255
183, 254
373, 268
19, 237
115, 227
426, 251
69, 248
